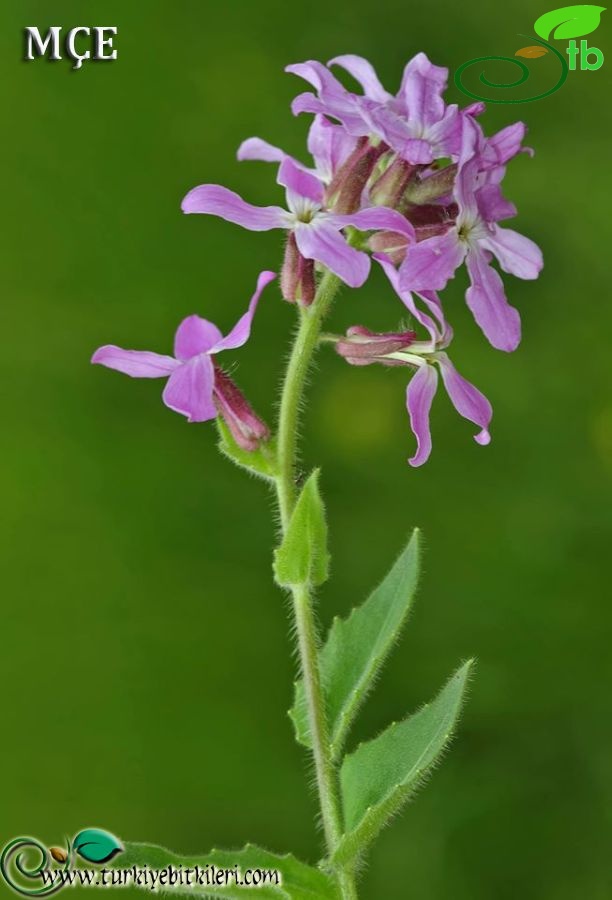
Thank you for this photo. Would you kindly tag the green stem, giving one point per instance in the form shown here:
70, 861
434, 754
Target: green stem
293, 389
304, 346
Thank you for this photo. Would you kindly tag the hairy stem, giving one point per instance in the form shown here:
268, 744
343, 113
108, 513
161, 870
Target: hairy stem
293, 390
304, 346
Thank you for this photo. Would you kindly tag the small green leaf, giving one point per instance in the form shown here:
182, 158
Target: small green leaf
379, 777
303, 558
357, 647
261, 463
96, 845
297, 880
569, 22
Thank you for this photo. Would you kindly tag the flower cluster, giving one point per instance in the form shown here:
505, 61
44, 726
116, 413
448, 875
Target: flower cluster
406, 180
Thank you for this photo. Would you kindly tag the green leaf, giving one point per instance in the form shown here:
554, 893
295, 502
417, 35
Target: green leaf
297, 880
569, 22
357, 648
261, 463
379, 777
96, 845
303, 558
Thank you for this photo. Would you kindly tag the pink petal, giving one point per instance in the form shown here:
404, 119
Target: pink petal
430, 264
299, 184
492, 204
256, 148
329, 145
422, 87
467, 399
516, 254
214, 200
241, 331
377, 218
485, 297
419, 397
194, 335
506, 144
363, 72
321, 241
466, 184
190, 390
136, 363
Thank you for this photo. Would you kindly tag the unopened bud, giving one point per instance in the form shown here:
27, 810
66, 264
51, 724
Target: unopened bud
297, 275
362, 347
347, 186
247, 429
425, 190
391, 243
390, 187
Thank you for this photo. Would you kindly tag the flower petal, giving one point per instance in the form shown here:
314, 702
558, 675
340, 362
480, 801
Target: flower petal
363, 72
256, 148
321, 241
485, 297
419, 397
492, 204
299, 184
195, 335
214, 200
467, 399
422, 87
503, 146
136, 363
377, 218
516, 254
190, 389
430, 264
241, 331
329, 145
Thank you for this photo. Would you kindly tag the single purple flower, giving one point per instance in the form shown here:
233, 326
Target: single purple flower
363, 347
318, 233
197, 388
476, 237
416, 123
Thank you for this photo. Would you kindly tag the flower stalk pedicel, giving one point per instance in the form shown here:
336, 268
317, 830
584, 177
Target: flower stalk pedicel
415, 185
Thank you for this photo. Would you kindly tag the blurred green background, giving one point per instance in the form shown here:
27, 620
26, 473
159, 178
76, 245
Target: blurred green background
146, 658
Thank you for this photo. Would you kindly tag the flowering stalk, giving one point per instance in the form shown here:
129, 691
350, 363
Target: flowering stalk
304, 346
413, 185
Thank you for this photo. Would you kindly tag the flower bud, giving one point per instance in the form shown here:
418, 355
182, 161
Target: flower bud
344, 193
297, 275
391, 243
362, 347
247, 429
390, 187
437, 185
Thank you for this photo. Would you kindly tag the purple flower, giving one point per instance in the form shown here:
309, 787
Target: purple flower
416, 123
362, 347
318, 233
475, 237
197, 388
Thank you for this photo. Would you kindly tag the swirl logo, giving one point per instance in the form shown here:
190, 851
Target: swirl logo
569, 22
33, 870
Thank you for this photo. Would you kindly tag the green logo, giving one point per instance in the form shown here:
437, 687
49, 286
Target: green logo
30, 868
567, 23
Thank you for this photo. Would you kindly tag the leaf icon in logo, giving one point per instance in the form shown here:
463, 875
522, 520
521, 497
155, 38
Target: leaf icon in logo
531, 52
95, 845
569, 22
